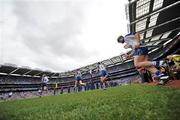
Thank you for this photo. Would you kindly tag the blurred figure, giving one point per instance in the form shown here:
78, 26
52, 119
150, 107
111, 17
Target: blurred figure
91, 80
55, 88
176, 59
40, 92
78, 79
10, 94
145, 75
174, 65
140, 55
44, 81
103, 74
163, 70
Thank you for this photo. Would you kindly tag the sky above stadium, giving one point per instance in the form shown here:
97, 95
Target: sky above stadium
60, 35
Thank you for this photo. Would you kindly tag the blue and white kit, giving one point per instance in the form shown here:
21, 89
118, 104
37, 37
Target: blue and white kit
130, 40
102, 70
78, 76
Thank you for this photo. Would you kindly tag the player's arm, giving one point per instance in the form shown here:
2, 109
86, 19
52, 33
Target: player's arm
137, 39
97, 69
75, 84
126, 46
130, 55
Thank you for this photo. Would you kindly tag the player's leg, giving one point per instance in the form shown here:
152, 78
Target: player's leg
81, 83
103, 82
146, 63
141, 60
75, 85
154, 71
46, 88
141, 55
104, 78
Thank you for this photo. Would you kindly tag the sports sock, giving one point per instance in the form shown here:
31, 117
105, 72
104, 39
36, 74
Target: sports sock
157, 63
154, 63
158, 73
104, 85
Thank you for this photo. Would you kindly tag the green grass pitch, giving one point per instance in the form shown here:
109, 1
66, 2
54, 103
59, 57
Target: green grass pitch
131, 102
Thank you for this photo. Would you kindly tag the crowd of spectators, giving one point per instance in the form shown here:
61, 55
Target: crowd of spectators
22, 95
61, 90
4, 79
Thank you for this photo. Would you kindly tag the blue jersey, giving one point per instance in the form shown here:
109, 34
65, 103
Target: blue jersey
78, 76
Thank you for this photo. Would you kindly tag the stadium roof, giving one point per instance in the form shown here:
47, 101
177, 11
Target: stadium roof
108, 62
14, 70
11, 69
157, 21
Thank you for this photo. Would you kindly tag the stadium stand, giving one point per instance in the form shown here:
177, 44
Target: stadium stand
158, 22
